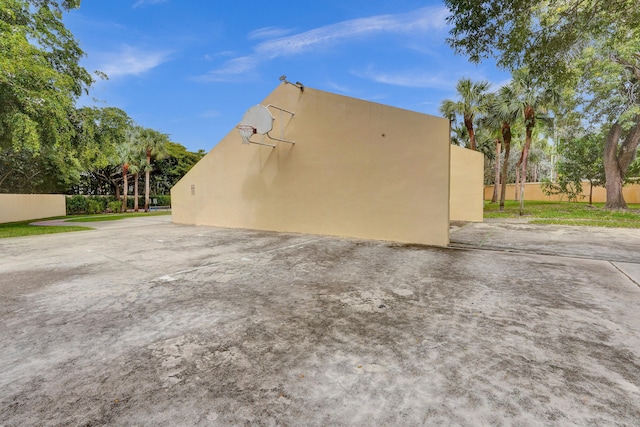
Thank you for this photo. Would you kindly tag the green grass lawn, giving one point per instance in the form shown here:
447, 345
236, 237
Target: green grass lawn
537, 212
567, 213
23, 228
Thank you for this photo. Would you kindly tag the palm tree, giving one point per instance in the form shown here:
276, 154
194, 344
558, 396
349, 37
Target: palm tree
502, 111
459, 136
490, 133
123, 151
154, 145
134, 161
471, 103
135, 167
531, 99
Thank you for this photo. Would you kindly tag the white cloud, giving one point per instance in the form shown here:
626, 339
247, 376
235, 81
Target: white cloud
268, 33
130, 61
417, 22
214, 56
338, 87
409, 78
208, 114
231, 70
140, 3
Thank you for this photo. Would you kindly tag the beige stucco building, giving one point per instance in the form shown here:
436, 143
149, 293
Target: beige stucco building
466, 201
357, 169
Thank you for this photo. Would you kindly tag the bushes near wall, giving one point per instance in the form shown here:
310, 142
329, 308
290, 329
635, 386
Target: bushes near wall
88, 204
77, 204
114, 206
163, 200
98, 204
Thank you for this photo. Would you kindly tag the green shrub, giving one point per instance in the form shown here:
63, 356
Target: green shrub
114, 206
109, 199
94, 206
131, 200
77, 205
163, 200
100, 203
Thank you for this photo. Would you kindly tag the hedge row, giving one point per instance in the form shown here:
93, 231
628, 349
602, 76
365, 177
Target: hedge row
100, 204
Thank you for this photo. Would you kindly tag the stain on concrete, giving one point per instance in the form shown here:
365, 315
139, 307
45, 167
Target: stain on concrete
271, 329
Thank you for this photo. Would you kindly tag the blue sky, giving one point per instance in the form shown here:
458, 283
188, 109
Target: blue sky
191, 68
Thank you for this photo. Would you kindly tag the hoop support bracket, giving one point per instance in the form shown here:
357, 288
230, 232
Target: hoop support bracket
262, 143
282, 111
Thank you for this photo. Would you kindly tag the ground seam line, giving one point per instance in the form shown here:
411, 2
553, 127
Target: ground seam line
625, 274
517, 251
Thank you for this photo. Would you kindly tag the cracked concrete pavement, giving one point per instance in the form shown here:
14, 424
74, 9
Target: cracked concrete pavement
144, 322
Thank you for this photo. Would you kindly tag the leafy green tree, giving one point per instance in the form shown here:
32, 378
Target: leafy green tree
531, 100
99, 131
634, 172
544, 36
578, 160
470, 104
50, 171
40, 75
611, 82
176, 164
565, 43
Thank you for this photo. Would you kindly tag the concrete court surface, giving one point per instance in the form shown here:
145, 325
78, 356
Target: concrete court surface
146, 323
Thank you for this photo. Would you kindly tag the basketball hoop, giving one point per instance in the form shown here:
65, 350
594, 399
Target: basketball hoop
246, 131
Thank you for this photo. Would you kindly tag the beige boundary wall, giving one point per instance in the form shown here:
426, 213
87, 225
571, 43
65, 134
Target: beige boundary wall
467, 174
22, 207
533, 191
358, 169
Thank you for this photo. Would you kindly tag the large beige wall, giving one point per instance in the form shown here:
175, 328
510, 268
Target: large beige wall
467, 187
22, 207
358, 169
533, 191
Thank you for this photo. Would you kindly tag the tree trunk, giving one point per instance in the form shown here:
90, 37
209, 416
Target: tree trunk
617, 161
117, 189
135, 192
494, 198
147, 173
506, 136
468, 122
146, 190
125, 188
530, 121
517, 185
614, 178
523, 172
590, 193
